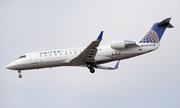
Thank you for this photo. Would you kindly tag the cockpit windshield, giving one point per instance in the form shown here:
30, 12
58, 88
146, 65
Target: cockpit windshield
23, 56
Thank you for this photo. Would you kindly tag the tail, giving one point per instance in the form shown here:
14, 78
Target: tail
154, 35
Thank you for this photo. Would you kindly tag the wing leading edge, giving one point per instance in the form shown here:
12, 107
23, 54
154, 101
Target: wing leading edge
87, 56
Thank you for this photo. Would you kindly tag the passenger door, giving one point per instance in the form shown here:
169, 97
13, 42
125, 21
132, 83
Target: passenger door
34, 57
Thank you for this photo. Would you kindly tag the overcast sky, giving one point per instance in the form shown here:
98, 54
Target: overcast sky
147, 81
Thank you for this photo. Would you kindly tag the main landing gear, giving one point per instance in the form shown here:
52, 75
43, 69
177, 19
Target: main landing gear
89, 66
92, 70
20, 76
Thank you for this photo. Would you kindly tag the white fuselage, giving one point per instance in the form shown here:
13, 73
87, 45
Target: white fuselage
63, 57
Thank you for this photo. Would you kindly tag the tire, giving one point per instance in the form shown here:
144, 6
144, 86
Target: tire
92, 70
20, 76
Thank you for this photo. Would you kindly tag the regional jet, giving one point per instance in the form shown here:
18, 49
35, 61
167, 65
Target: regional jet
93, 55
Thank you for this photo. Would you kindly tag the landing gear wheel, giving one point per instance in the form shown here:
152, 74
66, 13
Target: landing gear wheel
20, 76
92, 70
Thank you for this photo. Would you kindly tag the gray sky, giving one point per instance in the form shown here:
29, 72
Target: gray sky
148, 81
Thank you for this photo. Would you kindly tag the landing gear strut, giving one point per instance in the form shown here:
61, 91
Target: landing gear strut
20, 76
90, 67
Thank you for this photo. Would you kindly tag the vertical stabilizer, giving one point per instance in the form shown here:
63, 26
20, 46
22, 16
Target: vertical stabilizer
155, 34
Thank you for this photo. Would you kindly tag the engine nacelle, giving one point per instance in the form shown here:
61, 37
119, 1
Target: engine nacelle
121, 44
118, 44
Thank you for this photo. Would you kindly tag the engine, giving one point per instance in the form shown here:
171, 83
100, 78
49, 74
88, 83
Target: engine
121, 44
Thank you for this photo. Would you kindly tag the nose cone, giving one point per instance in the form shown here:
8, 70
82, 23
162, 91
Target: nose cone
10, 66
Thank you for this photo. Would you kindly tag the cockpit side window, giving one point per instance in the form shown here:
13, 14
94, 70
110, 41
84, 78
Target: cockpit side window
23, 56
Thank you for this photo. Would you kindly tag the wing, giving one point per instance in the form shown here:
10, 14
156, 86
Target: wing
108, 68
88, 54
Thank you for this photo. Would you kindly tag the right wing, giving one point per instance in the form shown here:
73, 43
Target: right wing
88, 54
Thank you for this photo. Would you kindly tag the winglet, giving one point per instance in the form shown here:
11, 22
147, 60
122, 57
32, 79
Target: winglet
100, 36
116, 66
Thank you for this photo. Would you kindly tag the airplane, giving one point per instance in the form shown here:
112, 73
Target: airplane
93, 55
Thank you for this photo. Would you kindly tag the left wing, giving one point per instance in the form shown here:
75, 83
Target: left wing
87, 56
108, 68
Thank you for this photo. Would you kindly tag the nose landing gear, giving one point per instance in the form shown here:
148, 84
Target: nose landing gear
20, 76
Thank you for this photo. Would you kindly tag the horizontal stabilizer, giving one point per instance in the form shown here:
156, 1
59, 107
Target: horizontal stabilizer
165, 22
